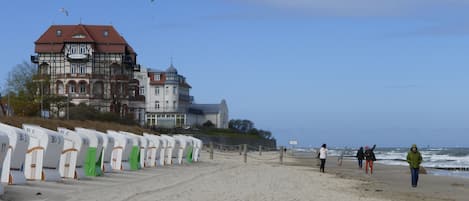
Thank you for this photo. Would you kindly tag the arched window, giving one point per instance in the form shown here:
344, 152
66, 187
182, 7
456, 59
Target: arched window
72, 87
44, 69
116, 69
82, 87
60, 87
98, 89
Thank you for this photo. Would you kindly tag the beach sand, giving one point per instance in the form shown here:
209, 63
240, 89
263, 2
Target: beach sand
393, 182
228, 178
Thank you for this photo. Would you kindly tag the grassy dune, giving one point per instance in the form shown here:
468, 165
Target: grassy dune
71, 124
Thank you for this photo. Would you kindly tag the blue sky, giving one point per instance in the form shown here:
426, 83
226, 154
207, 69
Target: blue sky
390, 72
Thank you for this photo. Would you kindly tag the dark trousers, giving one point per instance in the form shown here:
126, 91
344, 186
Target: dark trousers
323, 163
360, 163
414, 173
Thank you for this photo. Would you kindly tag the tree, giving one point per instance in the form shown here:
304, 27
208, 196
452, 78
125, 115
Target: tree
55, 104
21, 77
24, 90
239, 125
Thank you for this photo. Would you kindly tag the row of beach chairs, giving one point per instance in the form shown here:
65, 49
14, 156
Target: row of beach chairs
37, 153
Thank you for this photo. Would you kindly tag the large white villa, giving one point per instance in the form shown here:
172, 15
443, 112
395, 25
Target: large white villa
168, 102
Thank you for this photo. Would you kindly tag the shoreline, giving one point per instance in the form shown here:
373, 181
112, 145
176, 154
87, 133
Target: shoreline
393, 181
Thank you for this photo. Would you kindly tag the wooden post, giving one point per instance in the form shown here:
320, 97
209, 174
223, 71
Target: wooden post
260, 150
281, 154
240, 147
211, 150
245, 153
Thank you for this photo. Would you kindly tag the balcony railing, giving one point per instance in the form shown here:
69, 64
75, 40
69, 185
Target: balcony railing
137, 98
34, 59
79, 95
127, 59
186, 98
78, 57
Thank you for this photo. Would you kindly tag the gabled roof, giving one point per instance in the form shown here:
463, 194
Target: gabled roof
104, 37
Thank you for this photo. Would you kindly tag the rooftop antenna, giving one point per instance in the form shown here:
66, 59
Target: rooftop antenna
80, 20
171, 60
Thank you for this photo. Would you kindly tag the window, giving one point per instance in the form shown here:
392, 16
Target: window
157, 91
157, 104
142, 90
79, 36
82, 69
74, 68
106, 33
58, 32
82, 88
98, 88
157, 77
174, 104
166, 91
72, 88
60, 88
73, 49
174, 89
82, 49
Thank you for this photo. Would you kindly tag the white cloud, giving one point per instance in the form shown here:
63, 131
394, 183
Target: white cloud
361, 7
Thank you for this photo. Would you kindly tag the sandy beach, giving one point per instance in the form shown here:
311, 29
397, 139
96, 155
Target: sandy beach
228, 178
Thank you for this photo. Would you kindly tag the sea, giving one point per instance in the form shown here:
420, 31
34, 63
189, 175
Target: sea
437, 161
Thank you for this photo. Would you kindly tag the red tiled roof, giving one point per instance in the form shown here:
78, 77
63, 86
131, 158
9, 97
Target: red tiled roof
112, 43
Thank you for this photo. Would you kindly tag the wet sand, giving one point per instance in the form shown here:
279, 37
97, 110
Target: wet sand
393, 182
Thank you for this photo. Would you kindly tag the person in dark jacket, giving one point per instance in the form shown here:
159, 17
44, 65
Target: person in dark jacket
360, 157
370, 158
414, 158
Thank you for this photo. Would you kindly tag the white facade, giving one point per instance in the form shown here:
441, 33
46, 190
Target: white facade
168, 102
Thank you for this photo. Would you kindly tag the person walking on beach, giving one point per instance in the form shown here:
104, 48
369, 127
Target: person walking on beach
322, 157
370, 158
360, 157
414, 158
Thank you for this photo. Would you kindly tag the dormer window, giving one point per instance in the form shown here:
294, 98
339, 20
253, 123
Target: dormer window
58, 32
79, 36
106, 33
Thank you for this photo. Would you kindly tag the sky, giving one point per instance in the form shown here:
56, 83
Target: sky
341, 72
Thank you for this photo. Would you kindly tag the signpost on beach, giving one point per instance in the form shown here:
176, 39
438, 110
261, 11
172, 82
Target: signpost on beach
293, 142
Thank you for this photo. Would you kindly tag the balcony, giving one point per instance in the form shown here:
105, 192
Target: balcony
78, 75
137, 67
127, 59
34, 59
79, 95
40, 77
137, 98
186, 98
119, 77
78, 57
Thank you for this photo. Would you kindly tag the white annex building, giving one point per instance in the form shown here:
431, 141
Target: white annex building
168, 102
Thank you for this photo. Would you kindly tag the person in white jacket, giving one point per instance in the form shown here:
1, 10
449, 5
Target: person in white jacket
322, 157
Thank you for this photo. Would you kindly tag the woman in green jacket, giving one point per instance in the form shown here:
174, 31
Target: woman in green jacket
414, 158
